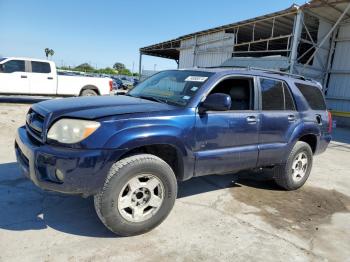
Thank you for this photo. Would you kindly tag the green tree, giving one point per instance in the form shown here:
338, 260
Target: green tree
125, 71
119, 66
84, 67
107, 70
49, 52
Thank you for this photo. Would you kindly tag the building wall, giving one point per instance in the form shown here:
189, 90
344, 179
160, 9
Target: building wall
206, 50
339, 83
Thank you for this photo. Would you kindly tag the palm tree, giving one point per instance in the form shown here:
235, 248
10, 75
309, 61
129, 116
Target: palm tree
49, 52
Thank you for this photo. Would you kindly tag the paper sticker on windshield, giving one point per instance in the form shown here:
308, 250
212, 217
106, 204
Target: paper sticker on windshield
194, 89
196, 78
186, 97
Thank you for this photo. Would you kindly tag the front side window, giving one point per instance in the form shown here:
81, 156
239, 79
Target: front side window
41, 67
276, 95
175, 87
13, 66
241, 91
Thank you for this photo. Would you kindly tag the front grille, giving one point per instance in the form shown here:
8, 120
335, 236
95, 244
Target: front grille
35, 124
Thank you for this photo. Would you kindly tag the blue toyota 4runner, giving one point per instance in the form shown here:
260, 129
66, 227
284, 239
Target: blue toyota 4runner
130, 151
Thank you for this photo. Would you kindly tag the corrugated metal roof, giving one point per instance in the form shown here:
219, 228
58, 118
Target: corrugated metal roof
330, 10
327, 9
272, 62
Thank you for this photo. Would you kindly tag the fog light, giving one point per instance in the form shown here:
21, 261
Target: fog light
59, 175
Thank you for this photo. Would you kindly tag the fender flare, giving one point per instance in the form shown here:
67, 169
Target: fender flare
91, 87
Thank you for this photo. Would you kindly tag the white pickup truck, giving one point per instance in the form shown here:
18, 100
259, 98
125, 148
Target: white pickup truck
39, 77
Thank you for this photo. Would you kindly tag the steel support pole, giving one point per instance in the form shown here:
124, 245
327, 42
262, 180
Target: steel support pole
296, 37
329, 61
194, 51
140, 65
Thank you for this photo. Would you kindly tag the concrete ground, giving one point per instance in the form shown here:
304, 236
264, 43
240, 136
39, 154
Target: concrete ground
216, 218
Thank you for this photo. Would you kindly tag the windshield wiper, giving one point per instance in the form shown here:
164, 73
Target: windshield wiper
153, 99
156, 99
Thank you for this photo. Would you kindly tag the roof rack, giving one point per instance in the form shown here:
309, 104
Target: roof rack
267, 70
280, 73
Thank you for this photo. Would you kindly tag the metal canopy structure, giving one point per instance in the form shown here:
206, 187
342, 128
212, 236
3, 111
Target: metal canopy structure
311, 40
170, 49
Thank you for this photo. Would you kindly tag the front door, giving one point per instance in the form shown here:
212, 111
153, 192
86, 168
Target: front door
14, 78
227, 141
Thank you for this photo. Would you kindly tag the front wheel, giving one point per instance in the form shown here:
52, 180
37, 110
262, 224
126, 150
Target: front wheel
296, 171
137, 196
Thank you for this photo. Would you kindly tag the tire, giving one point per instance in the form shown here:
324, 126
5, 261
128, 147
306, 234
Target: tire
294, 173
120, 185
89, 92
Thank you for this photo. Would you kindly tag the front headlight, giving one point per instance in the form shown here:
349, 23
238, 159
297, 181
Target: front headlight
70, 131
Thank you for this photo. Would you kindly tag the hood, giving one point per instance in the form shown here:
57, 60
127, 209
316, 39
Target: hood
97, 107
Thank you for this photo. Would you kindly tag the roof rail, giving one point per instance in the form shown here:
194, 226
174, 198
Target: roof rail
272, 71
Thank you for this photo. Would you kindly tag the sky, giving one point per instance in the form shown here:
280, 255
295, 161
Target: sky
104, 32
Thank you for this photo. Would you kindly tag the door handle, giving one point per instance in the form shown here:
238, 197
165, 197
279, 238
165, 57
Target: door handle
251, 119
50, 78
291, 118
23, 76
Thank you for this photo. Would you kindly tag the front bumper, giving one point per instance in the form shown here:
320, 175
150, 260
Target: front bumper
84, 170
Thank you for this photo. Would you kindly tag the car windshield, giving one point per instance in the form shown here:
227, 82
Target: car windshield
174, 87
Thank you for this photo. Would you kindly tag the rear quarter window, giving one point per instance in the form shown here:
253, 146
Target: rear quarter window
313, 96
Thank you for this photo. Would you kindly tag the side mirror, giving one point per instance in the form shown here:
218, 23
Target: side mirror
217, 102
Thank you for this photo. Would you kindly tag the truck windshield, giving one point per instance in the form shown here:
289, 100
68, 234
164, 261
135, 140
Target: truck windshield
172, 87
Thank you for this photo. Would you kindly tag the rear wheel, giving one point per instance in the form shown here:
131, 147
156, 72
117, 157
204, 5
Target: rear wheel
296, 171
89, 92
138, 195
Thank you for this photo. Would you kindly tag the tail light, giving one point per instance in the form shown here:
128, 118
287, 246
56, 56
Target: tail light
330, 124
110, 85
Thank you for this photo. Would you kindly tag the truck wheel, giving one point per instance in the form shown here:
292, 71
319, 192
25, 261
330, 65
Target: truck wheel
296, 171
138, 194
89, 92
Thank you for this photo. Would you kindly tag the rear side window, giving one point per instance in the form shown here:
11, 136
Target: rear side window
40, 67
14, 66
313, 96
289, 101
276, 95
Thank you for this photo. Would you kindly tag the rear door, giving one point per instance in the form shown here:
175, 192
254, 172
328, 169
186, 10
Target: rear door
314, 98
42, 79
14, 78
278, 120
